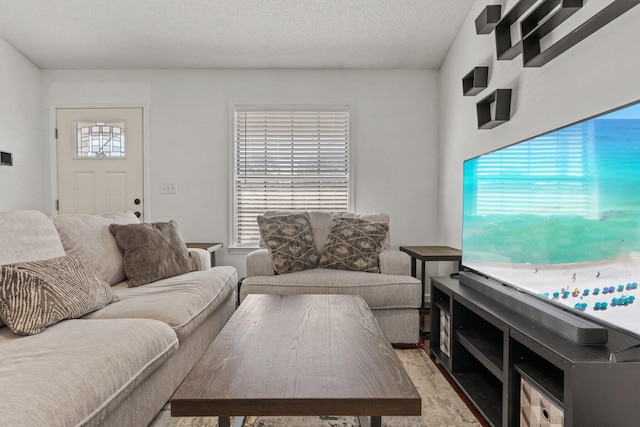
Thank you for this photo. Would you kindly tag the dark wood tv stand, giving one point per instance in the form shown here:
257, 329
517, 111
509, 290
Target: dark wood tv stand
488, 348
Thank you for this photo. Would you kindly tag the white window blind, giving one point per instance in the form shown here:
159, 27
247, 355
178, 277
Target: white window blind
288, 159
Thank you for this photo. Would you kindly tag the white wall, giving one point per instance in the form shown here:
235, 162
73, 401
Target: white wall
21, 184
594, 76
394, 138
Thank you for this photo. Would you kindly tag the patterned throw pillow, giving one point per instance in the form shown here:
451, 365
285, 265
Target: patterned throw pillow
34, 295
152, 251
289, 239
354, 244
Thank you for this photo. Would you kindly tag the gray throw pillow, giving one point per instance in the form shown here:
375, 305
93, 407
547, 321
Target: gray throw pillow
152, 251
289, 239
354, 244
37, 294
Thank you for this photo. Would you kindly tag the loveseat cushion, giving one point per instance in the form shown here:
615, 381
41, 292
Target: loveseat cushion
77, 371
321, 223
354, 244
36, 294
183, 302
378, 290
289, 239
379, 217
89, 236
152, 251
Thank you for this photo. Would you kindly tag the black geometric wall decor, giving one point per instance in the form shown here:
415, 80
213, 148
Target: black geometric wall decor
533, 57
563, 10
475, 81
488, 18
505, 48
6, 159
547, 16
501, 100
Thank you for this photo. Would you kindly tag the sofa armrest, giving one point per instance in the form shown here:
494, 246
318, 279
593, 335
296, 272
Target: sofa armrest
259, 263
393, 261
201, 257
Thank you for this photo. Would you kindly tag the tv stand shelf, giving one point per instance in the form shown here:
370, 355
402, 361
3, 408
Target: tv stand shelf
486, 351
495, 352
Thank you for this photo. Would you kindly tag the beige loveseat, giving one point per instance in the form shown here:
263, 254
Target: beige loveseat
116, 366
392, 294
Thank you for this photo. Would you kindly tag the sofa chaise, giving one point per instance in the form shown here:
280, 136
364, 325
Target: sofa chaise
393, 295
117, 365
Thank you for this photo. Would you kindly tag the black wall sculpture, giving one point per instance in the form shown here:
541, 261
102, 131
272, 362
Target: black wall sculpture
546, 16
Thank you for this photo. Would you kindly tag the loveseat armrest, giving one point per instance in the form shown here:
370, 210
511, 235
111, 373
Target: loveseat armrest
393, 261
259, 263
201, 257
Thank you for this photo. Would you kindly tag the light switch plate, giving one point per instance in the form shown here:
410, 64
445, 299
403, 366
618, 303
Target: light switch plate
168, 188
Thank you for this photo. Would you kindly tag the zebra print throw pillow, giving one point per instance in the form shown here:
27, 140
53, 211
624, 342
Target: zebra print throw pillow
37, 294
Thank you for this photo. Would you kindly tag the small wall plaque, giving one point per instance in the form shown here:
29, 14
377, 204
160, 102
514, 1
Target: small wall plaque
488, 18
6, 159
501, 100
475, 81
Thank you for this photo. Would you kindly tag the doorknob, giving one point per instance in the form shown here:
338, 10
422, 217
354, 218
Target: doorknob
136, 201
137, 214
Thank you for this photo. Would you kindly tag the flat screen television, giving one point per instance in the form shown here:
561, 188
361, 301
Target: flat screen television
558, 216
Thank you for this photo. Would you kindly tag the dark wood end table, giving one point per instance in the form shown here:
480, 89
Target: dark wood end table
426, 254
210, 247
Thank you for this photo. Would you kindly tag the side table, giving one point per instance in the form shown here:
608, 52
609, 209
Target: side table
426, 254
211, 247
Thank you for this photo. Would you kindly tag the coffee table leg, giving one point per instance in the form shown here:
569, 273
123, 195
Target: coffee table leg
375, 421
226, 421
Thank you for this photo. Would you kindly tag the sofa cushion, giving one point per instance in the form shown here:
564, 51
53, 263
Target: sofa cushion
354, 244
77, 371
36, 294
378, 290
28, 236
289, 239
182, 302
89, 236
152, 251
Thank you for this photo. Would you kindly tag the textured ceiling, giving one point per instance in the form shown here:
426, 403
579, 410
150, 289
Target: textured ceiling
159, 34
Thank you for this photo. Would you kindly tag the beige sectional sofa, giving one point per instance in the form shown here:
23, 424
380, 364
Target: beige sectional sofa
116, 366
393, 295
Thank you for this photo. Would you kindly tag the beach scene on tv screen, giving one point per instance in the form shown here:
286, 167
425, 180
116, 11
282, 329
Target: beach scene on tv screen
558, 216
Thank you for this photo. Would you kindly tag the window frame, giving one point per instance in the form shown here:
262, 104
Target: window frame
274, 107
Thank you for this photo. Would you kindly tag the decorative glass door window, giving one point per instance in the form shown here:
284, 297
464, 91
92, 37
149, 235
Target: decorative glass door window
99, 139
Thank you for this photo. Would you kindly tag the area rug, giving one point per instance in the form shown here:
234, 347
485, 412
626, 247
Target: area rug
441, 406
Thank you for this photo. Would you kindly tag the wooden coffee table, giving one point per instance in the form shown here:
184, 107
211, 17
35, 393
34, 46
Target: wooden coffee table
297, 355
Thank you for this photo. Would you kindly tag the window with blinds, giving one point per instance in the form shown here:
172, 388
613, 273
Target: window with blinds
288, 159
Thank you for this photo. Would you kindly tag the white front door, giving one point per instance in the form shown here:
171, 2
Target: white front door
100, 164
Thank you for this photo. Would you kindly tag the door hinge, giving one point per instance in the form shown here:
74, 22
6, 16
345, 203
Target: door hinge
57, 204
55, 133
